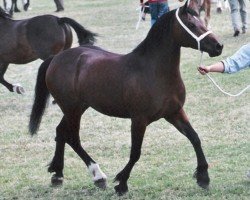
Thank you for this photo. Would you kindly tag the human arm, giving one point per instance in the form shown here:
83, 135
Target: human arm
217, 67
232, 64
238, 61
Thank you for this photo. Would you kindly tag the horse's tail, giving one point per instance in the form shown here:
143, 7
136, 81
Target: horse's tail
41, 98
84, 36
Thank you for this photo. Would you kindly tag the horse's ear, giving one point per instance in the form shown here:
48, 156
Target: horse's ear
191, 5
184, 7
194, 5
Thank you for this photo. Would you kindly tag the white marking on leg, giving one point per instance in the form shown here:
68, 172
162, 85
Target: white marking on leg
95, 170
18, 88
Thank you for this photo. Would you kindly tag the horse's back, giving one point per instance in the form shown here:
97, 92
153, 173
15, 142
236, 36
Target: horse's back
15, 40
89, 75
46, 36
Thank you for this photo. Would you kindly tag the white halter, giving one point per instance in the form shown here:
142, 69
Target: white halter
198, 39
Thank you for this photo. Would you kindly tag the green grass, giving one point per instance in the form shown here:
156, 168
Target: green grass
168, 160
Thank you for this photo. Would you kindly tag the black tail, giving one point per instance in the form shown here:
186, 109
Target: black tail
84, 36
41, 98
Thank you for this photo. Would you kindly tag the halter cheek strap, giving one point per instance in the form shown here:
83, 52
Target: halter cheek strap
198, 39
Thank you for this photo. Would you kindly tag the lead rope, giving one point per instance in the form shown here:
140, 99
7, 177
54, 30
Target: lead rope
224, 92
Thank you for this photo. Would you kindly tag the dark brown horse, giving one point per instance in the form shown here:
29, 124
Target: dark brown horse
23, 41
144, 85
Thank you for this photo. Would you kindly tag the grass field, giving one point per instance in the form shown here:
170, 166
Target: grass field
168, 160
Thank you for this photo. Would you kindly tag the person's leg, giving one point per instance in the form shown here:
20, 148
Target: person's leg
153, 12
234, 6
243, 15
163, 8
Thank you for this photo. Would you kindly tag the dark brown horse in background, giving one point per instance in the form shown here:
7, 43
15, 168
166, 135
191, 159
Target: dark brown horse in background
23, 41
144, 85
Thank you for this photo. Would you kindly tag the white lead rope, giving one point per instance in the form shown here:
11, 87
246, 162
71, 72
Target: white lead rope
223, 91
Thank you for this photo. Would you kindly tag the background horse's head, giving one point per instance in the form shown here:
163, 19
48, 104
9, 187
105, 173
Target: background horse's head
191, 32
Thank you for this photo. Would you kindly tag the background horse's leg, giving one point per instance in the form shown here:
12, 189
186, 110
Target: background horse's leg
207, 14
180, 121
14, 4
13, 88
3, 68
26, 4
73, 139
138, 128
58, 161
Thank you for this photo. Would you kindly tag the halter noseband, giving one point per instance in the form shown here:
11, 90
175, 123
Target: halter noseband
198, 39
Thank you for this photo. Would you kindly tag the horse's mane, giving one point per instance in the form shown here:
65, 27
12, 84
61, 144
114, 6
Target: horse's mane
157, 33
3, 14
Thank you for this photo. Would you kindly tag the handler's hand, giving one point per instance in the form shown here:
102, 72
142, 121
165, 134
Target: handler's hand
203, 70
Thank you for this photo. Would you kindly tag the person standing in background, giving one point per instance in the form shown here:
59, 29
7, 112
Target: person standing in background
238, 16
59, 5
157, 9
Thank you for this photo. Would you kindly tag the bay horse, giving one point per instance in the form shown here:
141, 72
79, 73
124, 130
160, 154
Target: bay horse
144, 85
23, 41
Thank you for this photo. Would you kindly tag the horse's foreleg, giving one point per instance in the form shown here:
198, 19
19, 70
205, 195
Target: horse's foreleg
181, 122
138, 128
58, 161
12, 88
73, 140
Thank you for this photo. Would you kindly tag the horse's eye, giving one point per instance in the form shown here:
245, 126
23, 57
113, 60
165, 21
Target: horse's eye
191, 25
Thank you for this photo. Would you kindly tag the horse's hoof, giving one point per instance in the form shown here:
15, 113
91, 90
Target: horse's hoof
101, 183
203, 185
18, 89
202, 179
219, 10
121, 189
56, 181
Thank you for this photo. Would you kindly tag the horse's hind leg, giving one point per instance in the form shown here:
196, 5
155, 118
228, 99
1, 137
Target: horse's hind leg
138, 128
181, 122
58, 161
73, 139
12, 88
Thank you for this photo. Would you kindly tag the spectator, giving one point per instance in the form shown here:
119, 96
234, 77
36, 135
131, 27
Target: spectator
157, 9
238, 16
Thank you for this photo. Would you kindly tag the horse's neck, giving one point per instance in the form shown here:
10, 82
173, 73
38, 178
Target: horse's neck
164, 57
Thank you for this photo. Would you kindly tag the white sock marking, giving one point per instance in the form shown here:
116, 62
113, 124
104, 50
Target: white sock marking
95, 170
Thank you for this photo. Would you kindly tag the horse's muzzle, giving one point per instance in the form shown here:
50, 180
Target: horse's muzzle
217, 50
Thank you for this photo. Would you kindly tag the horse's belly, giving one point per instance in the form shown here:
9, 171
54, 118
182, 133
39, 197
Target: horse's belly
114, 111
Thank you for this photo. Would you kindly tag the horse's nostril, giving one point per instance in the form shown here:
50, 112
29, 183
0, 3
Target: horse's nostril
219, 47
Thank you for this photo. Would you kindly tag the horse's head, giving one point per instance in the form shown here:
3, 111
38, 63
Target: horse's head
190, 32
